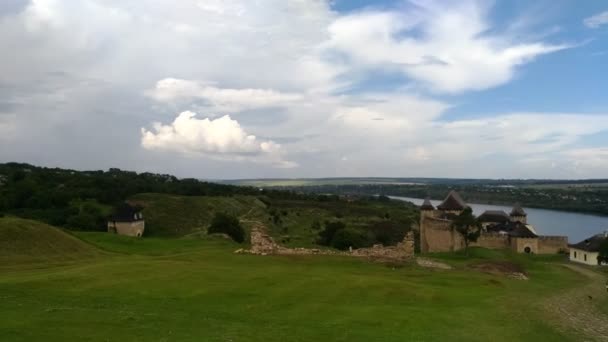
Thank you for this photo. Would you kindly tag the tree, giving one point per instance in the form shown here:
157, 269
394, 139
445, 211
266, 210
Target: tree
229, 225
388, 233
345, 238
467, 225
603, 256
331, 228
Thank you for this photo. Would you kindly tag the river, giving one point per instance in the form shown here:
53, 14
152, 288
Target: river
575, 226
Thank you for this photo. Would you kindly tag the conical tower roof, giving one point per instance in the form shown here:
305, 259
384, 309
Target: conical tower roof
453, 202
518, 211
427, 205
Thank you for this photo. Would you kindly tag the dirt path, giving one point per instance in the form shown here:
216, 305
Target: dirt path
575, 310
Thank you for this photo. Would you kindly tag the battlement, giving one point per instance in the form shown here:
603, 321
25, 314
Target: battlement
553, 238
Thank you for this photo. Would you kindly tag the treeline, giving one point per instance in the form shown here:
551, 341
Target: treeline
588, 200
84, 199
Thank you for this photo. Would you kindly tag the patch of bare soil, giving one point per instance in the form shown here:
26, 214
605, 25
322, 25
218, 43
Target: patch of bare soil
505, 268
576, 309
423, 262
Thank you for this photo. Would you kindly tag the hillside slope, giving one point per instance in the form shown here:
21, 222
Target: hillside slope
171, 215
30, 241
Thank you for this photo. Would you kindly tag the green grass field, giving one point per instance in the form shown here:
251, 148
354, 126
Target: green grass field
197, 289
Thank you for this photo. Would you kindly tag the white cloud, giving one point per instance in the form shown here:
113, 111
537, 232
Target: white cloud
447, 47
218, 138
597, 20
282, 69
222, 99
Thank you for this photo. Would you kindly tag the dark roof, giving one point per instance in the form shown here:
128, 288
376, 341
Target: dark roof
518, 211
591, 244
493, 216
127, 213
521, 231
514, 229
453, 202
427, 205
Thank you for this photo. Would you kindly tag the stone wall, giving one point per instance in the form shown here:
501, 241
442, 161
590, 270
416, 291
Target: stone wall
437, 235
127, 228
520, 244
264, 244
492, 241
552, 244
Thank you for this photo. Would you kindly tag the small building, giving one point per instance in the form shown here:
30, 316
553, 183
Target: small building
588, 250
127, 220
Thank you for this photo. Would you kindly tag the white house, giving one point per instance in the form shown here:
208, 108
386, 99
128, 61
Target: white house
587, 251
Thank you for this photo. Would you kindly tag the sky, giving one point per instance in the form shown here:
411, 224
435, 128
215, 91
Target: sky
224, 89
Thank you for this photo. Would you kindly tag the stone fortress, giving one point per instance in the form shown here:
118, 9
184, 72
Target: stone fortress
499, 230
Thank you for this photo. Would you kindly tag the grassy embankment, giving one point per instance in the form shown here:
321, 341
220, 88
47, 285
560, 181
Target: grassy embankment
157, 289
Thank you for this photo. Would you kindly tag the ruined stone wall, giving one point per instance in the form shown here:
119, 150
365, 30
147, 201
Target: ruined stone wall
552, 244
263, 244
492, 241
520, 244
127, 228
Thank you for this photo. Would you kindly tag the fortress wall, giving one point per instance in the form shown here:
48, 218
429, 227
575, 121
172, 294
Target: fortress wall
552, 244
492, 241
519, 245
438, 235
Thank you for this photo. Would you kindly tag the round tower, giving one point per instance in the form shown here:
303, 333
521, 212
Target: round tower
518, 214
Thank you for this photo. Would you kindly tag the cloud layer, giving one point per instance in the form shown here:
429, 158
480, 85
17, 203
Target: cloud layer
282, 88
444, 47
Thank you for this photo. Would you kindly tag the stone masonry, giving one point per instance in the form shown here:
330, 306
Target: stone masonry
264, 244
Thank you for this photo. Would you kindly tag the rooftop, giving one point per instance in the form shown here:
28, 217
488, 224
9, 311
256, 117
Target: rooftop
427, 205
591, 244
494, 216
127, 213
453, 202
518, 211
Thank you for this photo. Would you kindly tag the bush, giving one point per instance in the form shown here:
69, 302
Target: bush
331, 228
388, 233
345, 238
229, 225
603, 256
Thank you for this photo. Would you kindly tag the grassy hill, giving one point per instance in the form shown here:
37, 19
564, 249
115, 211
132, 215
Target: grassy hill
291, 221
25, 240
152, 290
172, 215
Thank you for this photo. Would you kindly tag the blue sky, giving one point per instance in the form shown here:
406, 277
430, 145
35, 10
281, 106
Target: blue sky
316, 88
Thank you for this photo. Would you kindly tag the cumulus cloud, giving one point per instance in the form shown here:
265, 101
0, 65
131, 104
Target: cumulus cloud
222, 99
445, 46
222, 136
597, 20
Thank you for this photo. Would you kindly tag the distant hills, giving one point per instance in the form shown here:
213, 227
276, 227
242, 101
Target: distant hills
287, 182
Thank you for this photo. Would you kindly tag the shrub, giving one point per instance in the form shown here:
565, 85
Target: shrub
603, 256
388, 233
345, 238
226, 224
331, 228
